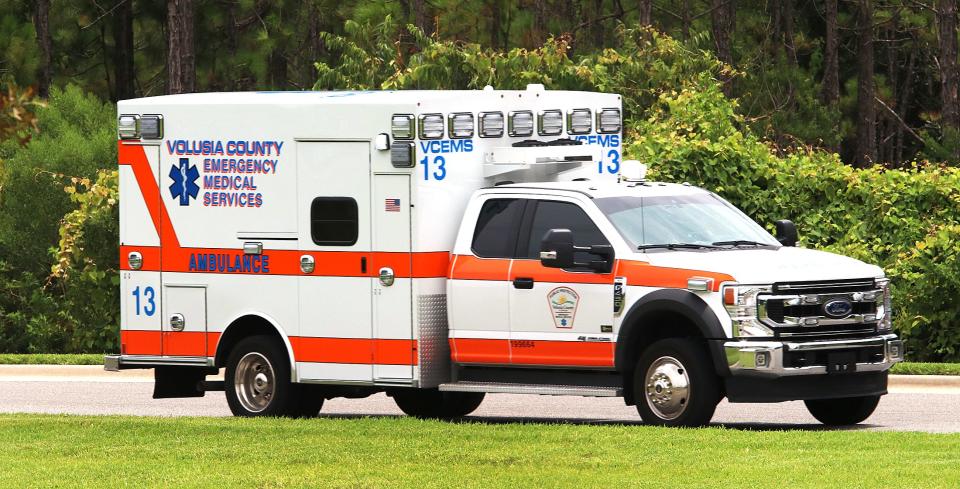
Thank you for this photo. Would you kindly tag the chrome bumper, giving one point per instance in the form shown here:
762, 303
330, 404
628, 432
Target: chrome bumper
766, 358
114, 363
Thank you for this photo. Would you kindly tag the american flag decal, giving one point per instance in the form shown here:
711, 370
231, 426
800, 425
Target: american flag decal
392, 205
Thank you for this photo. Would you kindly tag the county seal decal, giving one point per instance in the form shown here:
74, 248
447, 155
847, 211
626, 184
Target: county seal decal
563, 303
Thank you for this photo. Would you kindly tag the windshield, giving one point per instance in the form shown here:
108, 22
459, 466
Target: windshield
691, 221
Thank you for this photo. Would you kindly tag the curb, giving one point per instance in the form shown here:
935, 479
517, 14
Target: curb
939, 381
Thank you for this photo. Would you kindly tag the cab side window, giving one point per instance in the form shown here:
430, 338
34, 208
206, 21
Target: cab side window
551, 214
497, 226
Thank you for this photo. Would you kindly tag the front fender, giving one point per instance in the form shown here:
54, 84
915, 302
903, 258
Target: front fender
676, 301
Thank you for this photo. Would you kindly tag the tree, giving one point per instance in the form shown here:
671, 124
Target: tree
949, 77
866, 90
645, 8
181, 56
41, 22
124, 74
830, 87
723, 20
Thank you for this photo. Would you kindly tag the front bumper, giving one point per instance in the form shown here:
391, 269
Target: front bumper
115, 363
774, 359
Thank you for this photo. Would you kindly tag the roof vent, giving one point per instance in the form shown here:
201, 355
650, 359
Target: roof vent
535, 87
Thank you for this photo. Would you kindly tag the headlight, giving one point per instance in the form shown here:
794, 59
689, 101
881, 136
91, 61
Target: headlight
741, 304
884, 312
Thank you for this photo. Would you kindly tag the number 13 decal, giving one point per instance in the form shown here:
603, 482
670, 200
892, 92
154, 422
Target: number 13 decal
613, 166
439, 165
150, 307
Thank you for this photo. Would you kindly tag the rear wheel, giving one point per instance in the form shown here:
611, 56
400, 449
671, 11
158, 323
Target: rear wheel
258, 380
431, 403
674, 384
844, 411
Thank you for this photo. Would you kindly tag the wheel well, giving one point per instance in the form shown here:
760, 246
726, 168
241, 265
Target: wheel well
650, 328
241, 328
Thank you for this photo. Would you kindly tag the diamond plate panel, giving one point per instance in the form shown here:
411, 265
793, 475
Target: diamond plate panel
433, 347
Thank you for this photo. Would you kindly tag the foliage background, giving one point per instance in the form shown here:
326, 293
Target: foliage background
58, 245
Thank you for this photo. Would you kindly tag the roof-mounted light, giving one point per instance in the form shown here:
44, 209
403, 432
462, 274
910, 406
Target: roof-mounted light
401, 126
491, 124
402, 154
521, 123
431, 126
578, 121
608, 120
128, 126
551, 122
151, 126
460, 125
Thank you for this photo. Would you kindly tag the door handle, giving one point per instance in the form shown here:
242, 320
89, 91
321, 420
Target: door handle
523, 283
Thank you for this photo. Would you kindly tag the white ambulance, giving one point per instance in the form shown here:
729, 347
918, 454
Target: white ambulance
440, 245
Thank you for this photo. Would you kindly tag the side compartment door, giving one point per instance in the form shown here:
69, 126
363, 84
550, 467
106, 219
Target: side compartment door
393, 347
560, 317
333, 222
140, 292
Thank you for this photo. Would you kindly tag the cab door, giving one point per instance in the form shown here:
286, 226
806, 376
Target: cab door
559, 317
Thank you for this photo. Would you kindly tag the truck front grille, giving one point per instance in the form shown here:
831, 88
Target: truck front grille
843, 308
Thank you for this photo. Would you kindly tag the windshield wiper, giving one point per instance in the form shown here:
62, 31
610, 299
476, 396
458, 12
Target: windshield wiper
740, 242
677, 246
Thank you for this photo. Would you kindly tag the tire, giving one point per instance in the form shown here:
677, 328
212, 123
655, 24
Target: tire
433, 404
258, 380
674, 384
310, 402
844, 411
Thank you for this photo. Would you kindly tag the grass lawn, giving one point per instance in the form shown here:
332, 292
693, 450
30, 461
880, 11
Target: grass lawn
915, 368
71, 451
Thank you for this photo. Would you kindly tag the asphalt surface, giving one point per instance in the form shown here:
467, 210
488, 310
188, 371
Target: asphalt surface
907, 408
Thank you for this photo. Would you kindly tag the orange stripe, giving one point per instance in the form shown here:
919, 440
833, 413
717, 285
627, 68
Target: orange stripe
354, 350
644, 274
169, 343
151, 257
134, 156
539, 273
139, 342
471, 350
562, 353
469, 267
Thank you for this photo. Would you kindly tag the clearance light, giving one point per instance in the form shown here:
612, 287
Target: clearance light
491, 124
431, 126
608, 120
578, 121
401, 126
151, 127
461, 125
128, 126
521, 123
401, 154
551, 122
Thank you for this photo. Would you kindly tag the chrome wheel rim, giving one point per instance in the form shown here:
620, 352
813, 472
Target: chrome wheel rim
667, 386
254, 382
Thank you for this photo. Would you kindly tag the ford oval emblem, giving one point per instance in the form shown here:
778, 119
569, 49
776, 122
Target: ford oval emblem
838, 308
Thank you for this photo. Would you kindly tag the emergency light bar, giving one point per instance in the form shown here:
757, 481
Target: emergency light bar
431, 126
401, 126
578, 121
151, 126
491, 124
128, 126
521, 123
461, 125
608, 120
551, 122
401, 154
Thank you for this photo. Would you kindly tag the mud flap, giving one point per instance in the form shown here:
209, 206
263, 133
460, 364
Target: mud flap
176, 381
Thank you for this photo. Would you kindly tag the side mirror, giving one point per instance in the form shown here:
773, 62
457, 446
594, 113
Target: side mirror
556, 249
786, 232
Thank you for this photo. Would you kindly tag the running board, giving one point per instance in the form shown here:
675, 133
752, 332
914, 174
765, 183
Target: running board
548, 390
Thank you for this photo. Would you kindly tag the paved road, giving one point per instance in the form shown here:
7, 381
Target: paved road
929, 409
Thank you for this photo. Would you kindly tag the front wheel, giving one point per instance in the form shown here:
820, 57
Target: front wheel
844, 411
431, 403
674, 384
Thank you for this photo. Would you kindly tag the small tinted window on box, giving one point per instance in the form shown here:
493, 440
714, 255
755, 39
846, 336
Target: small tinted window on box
497, 226
333, 221
564, 215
